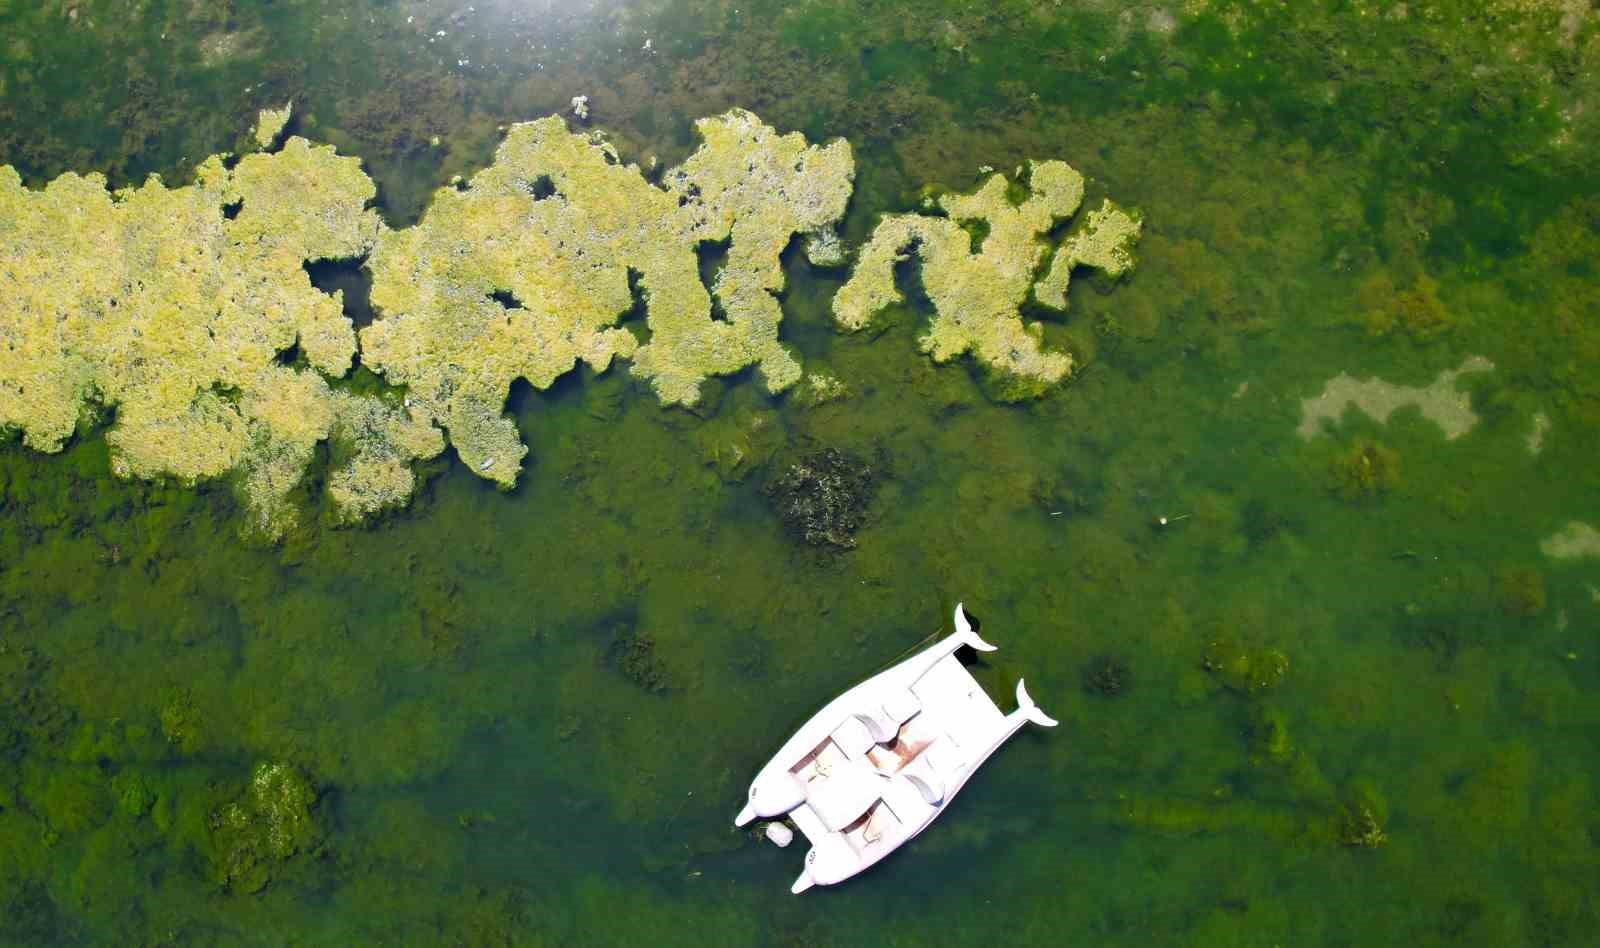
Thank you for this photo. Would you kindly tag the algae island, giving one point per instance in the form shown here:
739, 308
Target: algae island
189, 311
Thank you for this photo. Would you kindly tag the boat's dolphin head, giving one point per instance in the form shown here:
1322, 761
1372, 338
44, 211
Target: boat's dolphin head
771, 794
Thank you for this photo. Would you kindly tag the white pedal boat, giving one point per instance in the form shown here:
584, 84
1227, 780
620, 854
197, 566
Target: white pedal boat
875, 766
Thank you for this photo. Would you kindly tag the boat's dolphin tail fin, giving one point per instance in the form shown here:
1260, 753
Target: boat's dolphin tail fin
1034, 713
967, 634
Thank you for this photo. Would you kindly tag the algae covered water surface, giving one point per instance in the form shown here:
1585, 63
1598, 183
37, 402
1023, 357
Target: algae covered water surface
1304, 556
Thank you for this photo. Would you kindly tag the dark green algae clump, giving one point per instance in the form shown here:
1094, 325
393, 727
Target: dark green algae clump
822, 498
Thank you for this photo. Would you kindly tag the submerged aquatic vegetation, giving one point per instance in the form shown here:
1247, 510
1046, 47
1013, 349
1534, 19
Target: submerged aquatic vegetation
633, 654
1363, 470
822, 498
439, 658
1520, 590
1576, 539
979, 286
273, 820
1106, 675
1441, 401
1246, 668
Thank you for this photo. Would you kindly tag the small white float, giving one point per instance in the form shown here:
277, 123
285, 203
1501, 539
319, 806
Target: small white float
875, 766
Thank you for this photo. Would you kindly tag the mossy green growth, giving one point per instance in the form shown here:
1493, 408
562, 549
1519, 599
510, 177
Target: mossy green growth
977, 293
528, 268
133, 793
1269, 735
181, 721
1520, 591
1363, 470
270, 125
71, 799
1104, 242
1361, 816
274, 820
174, 304
1243, 667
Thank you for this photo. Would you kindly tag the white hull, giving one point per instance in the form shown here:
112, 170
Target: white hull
875, 766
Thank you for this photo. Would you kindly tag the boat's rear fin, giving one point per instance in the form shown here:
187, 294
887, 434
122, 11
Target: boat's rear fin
803, 883
967, 634
1026, 706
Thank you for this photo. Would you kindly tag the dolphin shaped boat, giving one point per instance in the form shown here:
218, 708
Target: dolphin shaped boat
878, 763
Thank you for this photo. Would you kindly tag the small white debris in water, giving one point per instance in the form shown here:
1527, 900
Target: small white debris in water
648, 45
985, 169
436, 141
408, 403
580, 106
441, 33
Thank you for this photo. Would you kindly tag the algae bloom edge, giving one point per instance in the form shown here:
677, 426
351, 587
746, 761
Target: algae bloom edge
191, 312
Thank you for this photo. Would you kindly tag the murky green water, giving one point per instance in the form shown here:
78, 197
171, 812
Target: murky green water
528, 718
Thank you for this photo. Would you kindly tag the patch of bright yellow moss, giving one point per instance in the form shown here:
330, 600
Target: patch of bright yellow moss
1105, 242
978, 294
271, 123
527, 269
173, 304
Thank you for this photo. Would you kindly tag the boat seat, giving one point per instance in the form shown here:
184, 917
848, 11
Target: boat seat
898, 707
852, 737
928, 785
839, 800
941, 759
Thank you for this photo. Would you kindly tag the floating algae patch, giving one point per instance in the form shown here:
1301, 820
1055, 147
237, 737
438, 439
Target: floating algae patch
1577, 539
270, 126
173, 305
977, 293
526, 271
1441, 402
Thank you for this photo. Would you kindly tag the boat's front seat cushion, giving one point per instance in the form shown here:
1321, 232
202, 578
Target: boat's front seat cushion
852, 738
844, 796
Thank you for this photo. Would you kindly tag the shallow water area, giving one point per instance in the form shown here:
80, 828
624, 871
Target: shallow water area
1323, 649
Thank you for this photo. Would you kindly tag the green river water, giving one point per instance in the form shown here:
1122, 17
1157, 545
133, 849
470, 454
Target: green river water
1348, 694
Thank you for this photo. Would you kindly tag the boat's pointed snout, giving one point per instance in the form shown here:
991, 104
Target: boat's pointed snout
745, 815
803, 883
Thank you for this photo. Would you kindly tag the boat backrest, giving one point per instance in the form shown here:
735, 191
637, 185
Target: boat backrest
928, 785
900, 705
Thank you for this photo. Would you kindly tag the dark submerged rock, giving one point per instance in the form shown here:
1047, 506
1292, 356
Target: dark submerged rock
1106, 675
823, 497
633, 653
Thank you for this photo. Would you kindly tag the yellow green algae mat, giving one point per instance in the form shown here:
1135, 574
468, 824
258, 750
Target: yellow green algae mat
449, 445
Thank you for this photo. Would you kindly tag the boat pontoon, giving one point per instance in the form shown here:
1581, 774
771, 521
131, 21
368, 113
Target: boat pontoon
875, 766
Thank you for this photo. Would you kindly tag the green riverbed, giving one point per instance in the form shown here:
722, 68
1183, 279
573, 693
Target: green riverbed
1346, 695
